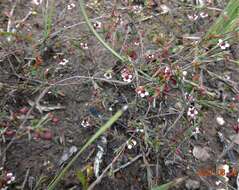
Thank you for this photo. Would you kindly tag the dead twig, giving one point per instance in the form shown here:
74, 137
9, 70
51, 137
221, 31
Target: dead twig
175, 122
128, 163
19, 22
9, 24
25, 179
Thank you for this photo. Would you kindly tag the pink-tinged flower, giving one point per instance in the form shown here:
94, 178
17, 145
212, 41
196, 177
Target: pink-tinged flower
85, 123
71, 6
119, 20
166, 89
37, 2
46, 135
127, 78
126, 75
142, 92
136, 42
223, 44
193, 17
203, 15
236, 128
132, 55
84, 46
192, 113
23, 110
9, 133
209, 1
189, 97
237, 97
97, 25
167, 73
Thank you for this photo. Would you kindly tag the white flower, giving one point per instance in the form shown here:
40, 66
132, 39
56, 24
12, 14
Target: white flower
9, 174
167, 70
185, 73
223, 44
139, 130
150, 56
97, 25
203, 15
71, 6
218, 182
131, 143
227, 77
64, 62
85, 123
10, 178
13, 178
137, 9
84, 46
37, 2
192, 112
144, 94
165, 9
193, 17
108, 75
197, 131
220, 120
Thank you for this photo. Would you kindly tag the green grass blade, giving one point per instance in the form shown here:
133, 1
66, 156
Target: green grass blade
82, 8
227, 22
164, 186
102, 129
48, 15
82, 179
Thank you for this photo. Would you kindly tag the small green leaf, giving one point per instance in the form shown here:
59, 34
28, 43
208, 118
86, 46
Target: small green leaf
169, 185
164, 186
82, 179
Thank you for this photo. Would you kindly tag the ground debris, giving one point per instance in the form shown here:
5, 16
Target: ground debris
201, 153
99, 155
192, 184
67, 153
